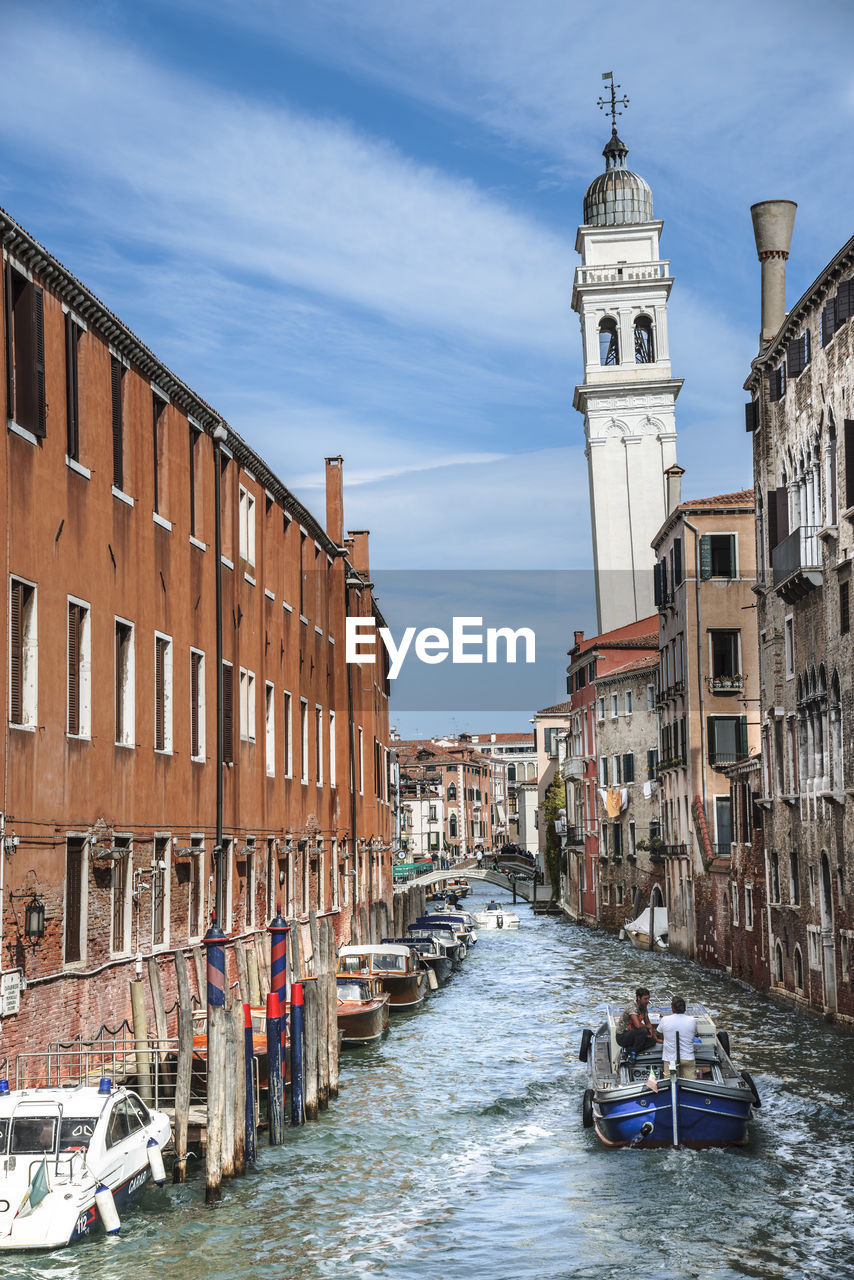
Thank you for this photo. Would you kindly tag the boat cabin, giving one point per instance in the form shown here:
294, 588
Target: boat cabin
386, 958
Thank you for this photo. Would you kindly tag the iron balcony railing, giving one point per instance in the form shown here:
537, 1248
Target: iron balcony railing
726, 684
799, 553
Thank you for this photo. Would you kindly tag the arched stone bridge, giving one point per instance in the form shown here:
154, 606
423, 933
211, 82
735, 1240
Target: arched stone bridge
524, 888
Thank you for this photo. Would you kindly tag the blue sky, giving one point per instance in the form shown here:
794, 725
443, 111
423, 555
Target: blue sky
350, 225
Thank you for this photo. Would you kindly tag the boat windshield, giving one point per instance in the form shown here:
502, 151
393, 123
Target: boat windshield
33, 1135
351, 989
386, 960
76, 1134
354, 964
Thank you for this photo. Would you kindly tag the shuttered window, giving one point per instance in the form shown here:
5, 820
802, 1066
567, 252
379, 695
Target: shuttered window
751, 415
227, 712
677, 561
22, 653
844, 302
629, 767
798, 355
74, 864
25, 364
828, 321
157, 407
195, 449
777, 383
196, 711
124, 690
72, 388
849, 462
117, 372
160, 646
76, 617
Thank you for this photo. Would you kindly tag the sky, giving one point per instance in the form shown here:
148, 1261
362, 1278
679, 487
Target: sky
349, 225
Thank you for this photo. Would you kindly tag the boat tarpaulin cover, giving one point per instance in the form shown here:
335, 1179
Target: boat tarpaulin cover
641, 925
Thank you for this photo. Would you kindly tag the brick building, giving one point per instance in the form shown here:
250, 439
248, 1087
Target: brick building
110, 748
463, 775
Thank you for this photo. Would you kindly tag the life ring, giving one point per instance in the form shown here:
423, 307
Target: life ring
587, 1109
748, 1080
584, 1050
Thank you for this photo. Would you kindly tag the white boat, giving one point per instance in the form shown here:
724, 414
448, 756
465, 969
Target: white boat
72, 1160
637, 931
494, 916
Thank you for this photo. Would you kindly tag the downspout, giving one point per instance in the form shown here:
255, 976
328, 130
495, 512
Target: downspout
219, 435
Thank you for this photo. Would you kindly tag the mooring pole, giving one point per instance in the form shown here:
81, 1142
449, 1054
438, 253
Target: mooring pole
249, 1106
279, 930
297, 1020
275, 1097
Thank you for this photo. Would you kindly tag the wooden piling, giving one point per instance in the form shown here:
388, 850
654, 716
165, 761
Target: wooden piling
263, 953
323, 1027
239, 1041
229, 1108
364, 928
310, 1056
314, 934
242, 970
201, 975
332, 1007
140, 1036
158, 1006
254, 978
184, 1068
216, 1089
397, 913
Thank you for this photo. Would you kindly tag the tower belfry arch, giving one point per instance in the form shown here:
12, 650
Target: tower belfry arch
628, 395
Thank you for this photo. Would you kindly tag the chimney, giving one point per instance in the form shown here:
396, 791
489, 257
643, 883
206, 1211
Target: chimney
773, 221
578, 637
673, 487
335, 499
359, 553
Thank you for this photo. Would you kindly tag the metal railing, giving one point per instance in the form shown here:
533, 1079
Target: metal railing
800, 552
623, 271
726, 684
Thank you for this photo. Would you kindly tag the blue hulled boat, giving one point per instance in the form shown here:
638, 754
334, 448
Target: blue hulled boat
630, 1101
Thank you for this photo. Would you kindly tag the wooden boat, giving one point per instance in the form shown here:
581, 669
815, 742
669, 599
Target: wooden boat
625, 1109
433, 954
398, 968
72, 1159
637, 931
362, 1010
259, 1046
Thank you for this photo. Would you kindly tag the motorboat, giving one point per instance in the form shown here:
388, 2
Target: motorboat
398, 968
362, 1010
637, 931
494, 916
457, 886
631, 1102
433, 953
445, 932
463, 922
72, 1160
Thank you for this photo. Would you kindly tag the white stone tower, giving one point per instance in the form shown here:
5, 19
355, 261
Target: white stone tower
628, 396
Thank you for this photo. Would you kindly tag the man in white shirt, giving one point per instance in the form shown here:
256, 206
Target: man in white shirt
681, 1023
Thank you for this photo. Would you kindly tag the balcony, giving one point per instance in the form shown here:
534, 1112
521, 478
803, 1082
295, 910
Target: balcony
796, 564
675, 762
573, 767
726, 684
673, 850
615, 274
575, 835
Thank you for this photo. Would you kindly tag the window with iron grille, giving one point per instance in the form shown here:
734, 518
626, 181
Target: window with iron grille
25, 364
23, 672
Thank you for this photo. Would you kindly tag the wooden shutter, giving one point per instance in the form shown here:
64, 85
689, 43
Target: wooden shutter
705, 557
782, 500
751, 416
9, 341
795, 362
74, 619
849, 462
629, 767
772, 520
72, 334
159, 694
39, 426
16, 652
844, 302
195, 663
828, 321
742, 737
677, 562
227, 713
73, 899
116, 372
658, 594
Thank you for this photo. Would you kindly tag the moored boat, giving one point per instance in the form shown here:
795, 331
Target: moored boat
630, 1101
637, 931
433, 953
259, 1045
494, 916
462, 922
445, 932
362, 1009
457, 886
398, 969
72, 1159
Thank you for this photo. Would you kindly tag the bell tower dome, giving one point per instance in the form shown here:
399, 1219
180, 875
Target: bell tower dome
628, 395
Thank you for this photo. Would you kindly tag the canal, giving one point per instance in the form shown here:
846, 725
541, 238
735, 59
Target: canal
456, 1149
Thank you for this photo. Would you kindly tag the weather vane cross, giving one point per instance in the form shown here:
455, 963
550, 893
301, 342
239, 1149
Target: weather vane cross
609, 105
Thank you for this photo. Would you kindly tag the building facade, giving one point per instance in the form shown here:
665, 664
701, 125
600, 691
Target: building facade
121, 722
513, 759
463, 777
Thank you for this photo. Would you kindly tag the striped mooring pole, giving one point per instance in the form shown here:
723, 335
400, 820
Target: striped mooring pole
249, 1113
275, 1091
279, 930
297, 1023
214, 940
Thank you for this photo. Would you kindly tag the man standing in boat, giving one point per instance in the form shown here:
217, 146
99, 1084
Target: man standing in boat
634, 1029
685, 1026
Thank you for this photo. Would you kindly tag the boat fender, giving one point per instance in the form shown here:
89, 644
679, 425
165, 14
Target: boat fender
622, 935
587, 1109
724, 1039
155, 1162
646, 1128
106, 1207
432, 980
748, 1080
584, 1051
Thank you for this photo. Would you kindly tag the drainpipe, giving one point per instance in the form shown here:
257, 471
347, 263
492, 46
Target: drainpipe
220, 434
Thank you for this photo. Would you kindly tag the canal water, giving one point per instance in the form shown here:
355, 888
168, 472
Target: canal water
456, 1149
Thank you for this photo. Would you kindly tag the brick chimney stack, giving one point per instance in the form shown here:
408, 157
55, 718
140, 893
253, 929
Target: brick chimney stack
335, 499
359, 553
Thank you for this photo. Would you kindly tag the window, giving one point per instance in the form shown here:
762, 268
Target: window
117, 373
72, 387
798, 355
195, 477
794, 879
227, 712
735, 910
247, 705
124, 660
162, 693
724, 652
332, 766
160, 892
606, 830
361, 763
619, 895
629, 701
799, 969
600, 709
652, 762
844, 609
158, 404
270, 729
270, 881
246, 505
814, 946
75, 908
748, 906
650, 697
789, 637
774, 875
633, 840
23, 653
303, 713
603, 771
197, 704
723, 825
287, 745
616, 771
25, 387
615, 705
727, 739
618, 840
249, 896
644, 346
197, 888
228, 890
318, 745
121, 891
609, 344
777, 383
79, 682
717, 555
676, 569
452, 789
629, 767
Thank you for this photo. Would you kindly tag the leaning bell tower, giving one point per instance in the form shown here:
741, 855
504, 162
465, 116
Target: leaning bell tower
628, 396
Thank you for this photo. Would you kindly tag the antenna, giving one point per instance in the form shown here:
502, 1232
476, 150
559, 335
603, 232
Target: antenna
609, 105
